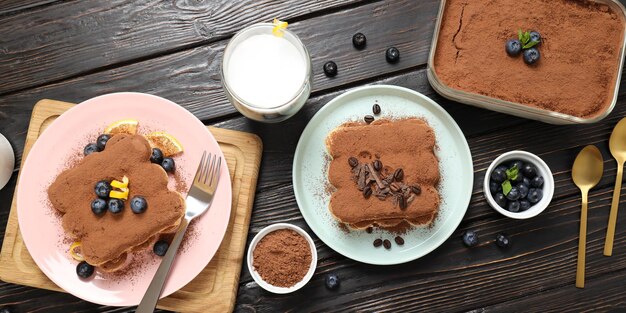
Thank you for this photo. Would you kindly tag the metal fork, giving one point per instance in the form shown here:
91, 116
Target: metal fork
198, 201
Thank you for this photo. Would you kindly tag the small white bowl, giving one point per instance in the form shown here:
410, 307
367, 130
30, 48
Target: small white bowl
542, 169
7, 161
255, 275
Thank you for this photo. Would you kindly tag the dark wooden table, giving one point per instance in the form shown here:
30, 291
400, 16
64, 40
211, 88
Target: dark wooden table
75, 50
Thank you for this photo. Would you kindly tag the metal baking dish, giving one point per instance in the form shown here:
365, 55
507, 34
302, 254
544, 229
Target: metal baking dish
514, 108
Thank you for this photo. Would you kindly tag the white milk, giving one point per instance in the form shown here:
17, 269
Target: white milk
266, 71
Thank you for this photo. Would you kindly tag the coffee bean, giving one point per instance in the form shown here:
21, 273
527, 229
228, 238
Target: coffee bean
399, 240
387, 244
369, 230
394, 187
416, 189
376, 109
367, 191
398, 174
378, 165
402, 202
353, 161
378, 242
369, 119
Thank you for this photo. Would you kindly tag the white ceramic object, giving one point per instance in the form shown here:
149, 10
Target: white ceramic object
255, 275
542, 170
7, 161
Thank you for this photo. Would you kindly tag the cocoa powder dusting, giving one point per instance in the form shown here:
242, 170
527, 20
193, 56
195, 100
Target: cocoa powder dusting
282, 258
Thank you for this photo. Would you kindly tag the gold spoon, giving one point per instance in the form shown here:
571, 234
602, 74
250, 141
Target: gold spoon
586, 173
617, 145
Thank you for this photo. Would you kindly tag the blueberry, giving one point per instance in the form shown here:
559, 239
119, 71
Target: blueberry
534, 195
531, 56
518, 164
513, 206
101, 142
513, 194
90, 148
500, 199
160, 247
392, 55
138, 204
98, 206
537, 181
525, 181
470, 238
84, 270
116, 205
518, 179
332, 281
503, 240
168, 165
494, 187
498, 175
359, 41
513, 47
535, 36
330, 69
502, 168
524, 205
102, 189
529, 170
523, 190
156, 156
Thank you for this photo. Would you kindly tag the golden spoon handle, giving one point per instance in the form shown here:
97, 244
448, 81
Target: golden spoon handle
582, 243
610, 232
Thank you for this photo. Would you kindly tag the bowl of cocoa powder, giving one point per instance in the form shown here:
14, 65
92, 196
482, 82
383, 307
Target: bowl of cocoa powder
282, 258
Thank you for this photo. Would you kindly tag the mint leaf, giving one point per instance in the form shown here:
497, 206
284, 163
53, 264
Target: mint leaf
512, 173
519, 34
506, 187
530, 44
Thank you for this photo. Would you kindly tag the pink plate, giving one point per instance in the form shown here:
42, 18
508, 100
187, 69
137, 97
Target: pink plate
41, 228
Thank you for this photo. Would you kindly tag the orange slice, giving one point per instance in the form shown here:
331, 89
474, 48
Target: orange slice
127, 126
75, 255
167, 143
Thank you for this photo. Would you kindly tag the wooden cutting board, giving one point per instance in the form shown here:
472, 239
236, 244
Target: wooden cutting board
215, 288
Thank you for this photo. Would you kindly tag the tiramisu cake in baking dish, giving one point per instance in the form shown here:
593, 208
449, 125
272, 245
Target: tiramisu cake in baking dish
384, 173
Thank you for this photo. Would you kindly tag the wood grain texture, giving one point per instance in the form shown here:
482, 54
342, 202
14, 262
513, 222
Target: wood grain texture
18, 6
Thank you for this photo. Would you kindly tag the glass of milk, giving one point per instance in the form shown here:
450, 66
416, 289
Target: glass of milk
267, 77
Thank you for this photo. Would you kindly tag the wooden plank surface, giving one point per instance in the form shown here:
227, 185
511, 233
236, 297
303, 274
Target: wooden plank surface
538, 268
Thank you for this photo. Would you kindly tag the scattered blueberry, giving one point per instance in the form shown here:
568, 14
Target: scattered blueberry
156, 156
513, 206
98, 206
116, 205
531, 56
168, 165
392, 55
101, 142
470, 238
90, 148
498, 175
503, 240
524, 205
513, 47
332, 281
523, 190
138, 204
494, 187
102, 189
500, 199
160, 247
534, 195
513, 194
535, 36
528, 170
537, 181
359, 41
330, 69
84, 270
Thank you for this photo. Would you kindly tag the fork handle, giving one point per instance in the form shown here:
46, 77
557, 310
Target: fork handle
150, 298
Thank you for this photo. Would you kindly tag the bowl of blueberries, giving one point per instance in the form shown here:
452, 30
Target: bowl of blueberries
518, 184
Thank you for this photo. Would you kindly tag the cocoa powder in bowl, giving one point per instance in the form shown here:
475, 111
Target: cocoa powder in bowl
282, 258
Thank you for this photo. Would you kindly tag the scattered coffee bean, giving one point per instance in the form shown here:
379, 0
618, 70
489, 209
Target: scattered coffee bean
369, 230
378, 165
376, 109
402, 202
369, 119
387, 244
353, 162
398, 174
367, 192
394, 187
416, 189
378, 242
399, 240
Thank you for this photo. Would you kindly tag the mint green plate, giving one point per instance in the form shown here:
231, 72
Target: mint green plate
311, 162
